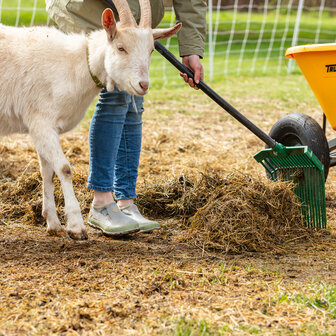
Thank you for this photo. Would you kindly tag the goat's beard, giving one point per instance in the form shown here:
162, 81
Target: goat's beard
110, 85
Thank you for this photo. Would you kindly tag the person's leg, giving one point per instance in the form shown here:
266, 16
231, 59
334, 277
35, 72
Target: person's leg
127, 163
104, 139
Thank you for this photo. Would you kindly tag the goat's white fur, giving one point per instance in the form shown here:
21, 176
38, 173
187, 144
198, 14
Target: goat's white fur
46, 88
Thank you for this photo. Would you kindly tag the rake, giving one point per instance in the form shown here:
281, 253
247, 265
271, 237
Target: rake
296, 164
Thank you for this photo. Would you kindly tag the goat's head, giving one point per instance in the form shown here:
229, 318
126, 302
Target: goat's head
129, 47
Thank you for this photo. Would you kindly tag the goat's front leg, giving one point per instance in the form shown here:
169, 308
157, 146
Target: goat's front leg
49, 211
49, 149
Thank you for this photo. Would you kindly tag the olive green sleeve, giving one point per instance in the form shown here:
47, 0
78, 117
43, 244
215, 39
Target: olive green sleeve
191, 37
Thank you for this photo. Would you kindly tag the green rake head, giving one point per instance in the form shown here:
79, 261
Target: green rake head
300, 165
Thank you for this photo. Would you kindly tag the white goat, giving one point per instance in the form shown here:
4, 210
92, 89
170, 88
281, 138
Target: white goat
47, 84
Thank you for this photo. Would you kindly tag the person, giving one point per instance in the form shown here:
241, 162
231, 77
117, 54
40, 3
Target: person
116, 126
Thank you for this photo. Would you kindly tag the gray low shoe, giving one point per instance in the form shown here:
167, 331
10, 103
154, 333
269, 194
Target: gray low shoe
146, 225
111, 220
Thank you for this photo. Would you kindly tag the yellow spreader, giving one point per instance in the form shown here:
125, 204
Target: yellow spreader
318, 64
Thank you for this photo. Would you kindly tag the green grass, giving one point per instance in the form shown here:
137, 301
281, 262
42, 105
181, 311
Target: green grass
260, 95
192, 327
320, 297
187, 327
11, 16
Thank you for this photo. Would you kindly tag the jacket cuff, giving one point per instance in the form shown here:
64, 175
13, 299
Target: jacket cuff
186, 50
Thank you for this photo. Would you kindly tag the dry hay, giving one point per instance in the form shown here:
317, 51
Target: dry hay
142, 284
233, 213
230, 212
177, 197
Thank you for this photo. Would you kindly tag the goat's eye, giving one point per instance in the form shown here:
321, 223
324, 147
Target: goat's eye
121, 49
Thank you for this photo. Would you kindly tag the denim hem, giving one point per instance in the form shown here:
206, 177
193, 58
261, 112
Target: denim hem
93, 187
120, 196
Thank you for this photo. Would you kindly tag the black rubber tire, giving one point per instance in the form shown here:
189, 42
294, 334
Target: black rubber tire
297, 129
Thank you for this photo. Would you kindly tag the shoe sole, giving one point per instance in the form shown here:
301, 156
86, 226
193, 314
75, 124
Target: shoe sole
149, 230
116, 234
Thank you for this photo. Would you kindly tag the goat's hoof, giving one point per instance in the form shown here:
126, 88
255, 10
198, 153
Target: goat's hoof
56, 231
81, 235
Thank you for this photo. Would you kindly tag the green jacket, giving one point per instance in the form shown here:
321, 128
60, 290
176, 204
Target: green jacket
85, 15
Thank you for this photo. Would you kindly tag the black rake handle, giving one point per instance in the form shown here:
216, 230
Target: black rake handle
216, 97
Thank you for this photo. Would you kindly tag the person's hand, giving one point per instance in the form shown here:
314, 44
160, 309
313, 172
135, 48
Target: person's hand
193, 62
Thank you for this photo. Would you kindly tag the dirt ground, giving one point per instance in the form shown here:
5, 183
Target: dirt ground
152, 284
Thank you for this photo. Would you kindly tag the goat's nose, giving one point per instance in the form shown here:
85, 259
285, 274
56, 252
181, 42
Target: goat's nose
144, 85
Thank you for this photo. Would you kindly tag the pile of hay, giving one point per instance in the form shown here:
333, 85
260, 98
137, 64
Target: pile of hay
177, 197
234, 213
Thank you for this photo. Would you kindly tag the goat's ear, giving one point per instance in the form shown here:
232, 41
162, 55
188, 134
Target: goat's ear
160, 34
109, 23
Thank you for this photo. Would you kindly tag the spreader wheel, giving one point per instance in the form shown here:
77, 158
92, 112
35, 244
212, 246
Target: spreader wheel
296, 129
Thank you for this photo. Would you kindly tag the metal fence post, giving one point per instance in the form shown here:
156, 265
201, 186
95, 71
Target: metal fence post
210, 46
296, 32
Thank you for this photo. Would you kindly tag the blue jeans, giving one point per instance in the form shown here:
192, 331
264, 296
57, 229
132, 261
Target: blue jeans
115, 144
